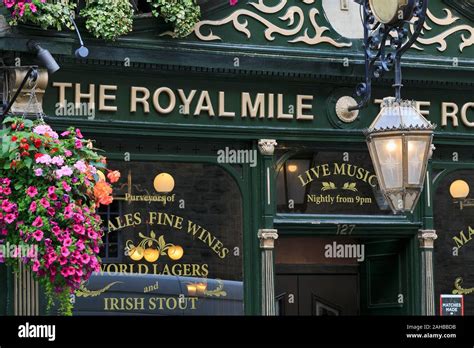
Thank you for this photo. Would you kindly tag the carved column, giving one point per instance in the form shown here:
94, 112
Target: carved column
267, 243
267, 234
267, 174
427, 238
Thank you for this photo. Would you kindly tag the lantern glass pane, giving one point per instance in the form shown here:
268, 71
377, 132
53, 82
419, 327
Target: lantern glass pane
389, 155
416, 157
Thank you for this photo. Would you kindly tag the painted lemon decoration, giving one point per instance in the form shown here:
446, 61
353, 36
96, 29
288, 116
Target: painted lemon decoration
136, 254
151, 255
163, 183
175, 252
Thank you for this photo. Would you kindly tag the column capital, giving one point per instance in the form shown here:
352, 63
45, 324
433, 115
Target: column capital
427, 238
267, 146
267, 237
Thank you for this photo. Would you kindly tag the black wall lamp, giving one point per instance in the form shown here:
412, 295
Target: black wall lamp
400, 138
46, 59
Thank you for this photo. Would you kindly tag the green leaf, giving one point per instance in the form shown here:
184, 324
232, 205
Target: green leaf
28, 123
28, 161
9, 120
5, 145
161, 242
152, 234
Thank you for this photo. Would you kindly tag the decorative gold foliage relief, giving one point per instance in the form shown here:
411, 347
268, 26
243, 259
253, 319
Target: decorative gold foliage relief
467, 31
293, 21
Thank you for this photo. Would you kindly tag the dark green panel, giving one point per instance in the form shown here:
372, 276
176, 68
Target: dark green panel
3, 290
384, 279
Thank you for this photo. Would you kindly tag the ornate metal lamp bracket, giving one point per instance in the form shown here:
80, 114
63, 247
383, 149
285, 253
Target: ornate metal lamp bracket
384, 46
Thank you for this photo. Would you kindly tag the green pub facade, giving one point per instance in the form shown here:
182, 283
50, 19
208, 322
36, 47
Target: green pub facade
271, 203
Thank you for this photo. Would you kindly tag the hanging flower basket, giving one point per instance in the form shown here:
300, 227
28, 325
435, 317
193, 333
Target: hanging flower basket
50, 188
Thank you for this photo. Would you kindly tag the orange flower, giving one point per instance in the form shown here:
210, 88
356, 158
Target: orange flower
102, 192
113, 176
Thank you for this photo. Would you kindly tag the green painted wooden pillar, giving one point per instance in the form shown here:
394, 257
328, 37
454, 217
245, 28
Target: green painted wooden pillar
266, 233
426, 237
6, 290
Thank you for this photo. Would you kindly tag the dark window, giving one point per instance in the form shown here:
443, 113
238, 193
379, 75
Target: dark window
329, 182
110, 250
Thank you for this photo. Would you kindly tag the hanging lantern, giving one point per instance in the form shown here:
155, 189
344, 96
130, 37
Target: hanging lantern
400, 145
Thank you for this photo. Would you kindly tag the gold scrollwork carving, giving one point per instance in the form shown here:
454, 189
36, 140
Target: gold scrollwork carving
459, 290
441, 38
218, 291
294, 14
84, 292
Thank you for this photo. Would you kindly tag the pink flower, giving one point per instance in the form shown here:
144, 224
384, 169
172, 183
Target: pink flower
65, 251
7, 206
66, 187
36, 266
45, 130
85, 258
33, 8
33, 207
57, 160
9, 3
38, 172
79, 229
79, 134
31, 191
65, 133
78, 144
233, 2
71, 270
9, 218
44, 202
80, 166
64, 171
80, 245
62, 260
67, 242
67, 153
45, 159
38, 235
38, 222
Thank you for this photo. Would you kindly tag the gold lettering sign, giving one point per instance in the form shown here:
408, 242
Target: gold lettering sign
338, 169
463, 238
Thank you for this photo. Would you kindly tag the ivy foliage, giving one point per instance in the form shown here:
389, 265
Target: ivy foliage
48, 15
106, 19
182, 14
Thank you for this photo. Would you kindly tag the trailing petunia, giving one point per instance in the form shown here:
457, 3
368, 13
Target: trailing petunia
48, 201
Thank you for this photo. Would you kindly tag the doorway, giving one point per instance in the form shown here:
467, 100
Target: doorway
309, 281
317, 294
